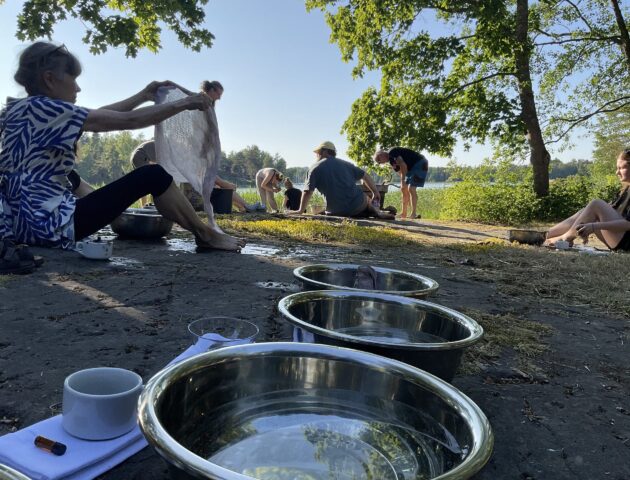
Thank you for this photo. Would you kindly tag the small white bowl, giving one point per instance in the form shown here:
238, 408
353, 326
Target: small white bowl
95, 249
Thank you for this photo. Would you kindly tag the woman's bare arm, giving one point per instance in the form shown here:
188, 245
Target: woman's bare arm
147, 94
102, 120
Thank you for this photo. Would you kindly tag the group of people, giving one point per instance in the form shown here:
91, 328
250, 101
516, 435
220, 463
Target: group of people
43, 201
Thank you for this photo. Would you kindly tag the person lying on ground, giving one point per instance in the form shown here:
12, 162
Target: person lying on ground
268, 184
145, 154
38, 151
292, 196
337, 180
413, 168
610, 222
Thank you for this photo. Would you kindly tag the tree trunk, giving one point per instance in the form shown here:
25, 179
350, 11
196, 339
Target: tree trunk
539, 156
623, 30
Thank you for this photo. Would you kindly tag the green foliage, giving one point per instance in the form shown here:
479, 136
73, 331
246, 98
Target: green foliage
612, 135
131, 24
241, 167
103, 158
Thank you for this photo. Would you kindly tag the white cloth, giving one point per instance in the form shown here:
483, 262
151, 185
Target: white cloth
84, 459
187, 145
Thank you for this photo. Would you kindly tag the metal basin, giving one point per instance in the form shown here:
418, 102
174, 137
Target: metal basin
341, 276
7, 473
529, 237
290, 410
417, 332
141, 223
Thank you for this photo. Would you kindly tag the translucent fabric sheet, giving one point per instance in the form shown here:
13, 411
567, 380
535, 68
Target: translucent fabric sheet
187, 145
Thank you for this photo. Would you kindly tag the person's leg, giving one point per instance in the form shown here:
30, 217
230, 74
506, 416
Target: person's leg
262, 193
238, 202
554, 233
596, 211
102, 206
414, 201
172, 204
271, 201
404, 188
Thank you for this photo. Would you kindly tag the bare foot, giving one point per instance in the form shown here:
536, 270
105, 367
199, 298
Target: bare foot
220, 241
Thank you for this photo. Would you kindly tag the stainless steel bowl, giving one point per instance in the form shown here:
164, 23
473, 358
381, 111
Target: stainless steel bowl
290, 410
7, 473
141, 223
341, 276
530, 237
417, 332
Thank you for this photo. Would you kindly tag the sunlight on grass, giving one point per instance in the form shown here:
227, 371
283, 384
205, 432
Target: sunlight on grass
307, 230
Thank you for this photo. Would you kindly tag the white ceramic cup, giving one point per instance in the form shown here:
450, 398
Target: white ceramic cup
100, 403
95, 249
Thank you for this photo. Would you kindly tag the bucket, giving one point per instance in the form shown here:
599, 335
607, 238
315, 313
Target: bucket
221, 200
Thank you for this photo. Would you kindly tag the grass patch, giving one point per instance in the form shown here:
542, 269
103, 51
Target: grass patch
503, 331
316, 231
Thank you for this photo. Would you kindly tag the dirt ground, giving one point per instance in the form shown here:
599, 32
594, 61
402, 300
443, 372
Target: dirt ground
558, 412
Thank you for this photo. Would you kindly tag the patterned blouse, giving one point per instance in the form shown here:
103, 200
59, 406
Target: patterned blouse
37, 152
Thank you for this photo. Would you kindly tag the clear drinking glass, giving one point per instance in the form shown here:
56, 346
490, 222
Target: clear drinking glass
210, 333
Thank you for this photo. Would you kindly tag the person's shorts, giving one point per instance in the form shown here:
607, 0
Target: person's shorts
624, 243
416, 176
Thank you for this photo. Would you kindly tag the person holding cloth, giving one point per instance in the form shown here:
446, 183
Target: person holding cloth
337, 180
413, 168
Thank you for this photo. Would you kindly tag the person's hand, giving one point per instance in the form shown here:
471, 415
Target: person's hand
197, 101
585, 229
376, 198
276, 189
151, 89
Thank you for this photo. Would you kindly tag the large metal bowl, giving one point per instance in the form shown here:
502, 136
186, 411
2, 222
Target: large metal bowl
529, 237
417, 332
141, 223
341, 276
7, 473
290, 410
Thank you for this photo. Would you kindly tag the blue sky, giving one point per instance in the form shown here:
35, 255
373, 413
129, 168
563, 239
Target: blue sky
286, 88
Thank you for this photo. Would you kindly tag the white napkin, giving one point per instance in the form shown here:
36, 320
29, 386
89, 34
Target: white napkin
84, 459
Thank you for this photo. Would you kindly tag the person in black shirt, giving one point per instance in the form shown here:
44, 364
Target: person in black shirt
413, 168
292, 196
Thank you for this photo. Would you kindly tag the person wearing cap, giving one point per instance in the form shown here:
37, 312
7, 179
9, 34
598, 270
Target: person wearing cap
337, 180
413, 168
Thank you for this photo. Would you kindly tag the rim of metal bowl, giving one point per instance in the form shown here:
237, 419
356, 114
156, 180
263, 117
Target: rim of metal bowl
476, 330
161, 440
299, 274
8, 473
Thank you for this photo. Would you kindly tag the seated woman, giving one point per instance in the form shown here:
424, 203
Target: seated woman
609, 222
38, 149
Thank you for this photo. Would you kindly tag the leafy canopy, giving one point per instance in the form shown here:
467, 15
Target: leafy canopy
132, 24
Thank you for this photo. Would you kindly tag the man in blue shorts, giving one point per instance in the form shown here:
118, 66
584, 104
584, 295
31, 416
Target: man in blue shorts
413, 168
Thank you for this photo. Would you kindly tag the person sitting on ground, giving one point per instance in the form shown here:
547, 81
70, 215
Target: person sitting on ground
337, 180
268, 184
292, 196
39, 134
144, 154
413, 168
610, 222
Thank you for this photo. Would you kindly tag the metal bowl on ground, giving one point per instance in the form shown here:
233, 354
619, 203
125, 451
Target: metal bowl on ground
417, 332
141, 223
342, 276
529, 237
7, 473
290, 410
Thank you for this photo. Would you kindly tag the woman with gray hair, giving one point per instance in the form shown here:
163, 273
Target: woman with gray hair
38, 136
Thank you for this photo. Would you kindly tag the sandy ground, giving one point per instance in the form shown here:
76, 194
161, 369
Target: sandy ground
568, 420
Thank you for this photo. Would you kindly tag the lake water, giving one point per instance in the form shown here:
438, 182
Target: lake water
392, 188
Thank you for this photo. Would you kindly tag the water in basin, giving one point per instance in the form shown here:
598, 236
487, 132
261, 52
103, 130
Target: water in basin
311, 438
386, 334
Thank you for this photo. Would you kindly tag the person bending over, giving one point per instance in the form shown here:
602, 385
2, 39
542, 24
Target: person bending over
268, 184
610, 222
413, 168
38, 151
337, 180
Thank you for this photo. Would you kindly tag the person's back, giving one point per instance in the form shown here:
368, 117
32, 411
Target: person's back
292, 196
337, 180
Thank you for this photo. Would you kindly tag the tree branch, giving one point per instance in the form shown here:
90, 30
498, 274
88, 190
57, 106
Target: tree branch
478, 80
613, 38
576, 121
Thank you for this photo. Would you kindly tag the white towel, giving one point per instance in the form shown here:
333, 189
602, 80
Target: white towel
187, 145
84, 459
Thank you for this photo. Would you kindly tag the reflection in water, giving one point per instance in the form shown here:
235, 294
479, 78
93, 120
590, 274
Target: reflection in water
388, 334
310, 438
